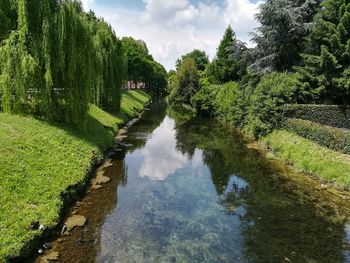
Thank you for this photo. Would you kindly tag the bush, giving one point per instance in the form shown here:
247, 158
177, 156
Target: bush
186, 83
330, 137
225, 100
267, 101
331, 115
204, 100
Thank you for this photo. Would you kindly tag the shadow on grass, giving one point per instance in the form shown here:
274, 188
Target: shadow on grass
134, 98
95, 134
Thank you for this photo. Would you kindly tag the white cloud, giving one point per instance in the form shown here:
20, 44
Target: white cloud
240, 14
88, 4
160, 158
173, 27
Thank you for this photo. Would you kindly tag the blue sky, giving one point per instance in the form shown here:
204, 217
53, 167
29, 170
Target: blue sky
174, 27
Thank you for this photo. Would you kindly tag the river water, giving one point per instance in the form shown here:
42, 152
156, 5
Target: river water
192, 191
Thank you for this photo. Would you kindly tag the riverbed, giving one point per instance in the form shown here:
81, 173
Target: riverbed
190, 190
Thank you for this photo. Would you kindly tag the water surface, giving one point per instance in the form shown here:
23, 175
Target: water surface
191, 191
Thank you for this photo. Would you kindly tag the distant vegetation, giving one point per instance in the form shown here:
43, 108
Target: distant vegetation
301, 55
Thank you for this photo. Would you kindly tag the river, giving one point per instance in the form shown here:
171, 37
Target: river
190, 190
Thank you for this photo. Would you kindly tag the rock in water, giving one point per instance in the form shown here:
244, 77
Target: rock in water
80, 241
52, 256
100, 179
75, 221
47, 246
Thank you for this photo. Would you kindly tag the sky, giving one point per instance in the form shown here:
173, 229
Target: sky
172, 28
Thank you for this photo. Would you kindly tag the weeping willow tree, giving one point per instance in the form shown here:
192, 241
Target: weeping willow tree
18, 66
58, 60
110, 64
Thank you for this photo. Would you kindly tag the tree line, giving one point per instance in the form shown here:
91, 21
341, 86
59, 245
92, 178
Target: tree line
301, 55
56, 59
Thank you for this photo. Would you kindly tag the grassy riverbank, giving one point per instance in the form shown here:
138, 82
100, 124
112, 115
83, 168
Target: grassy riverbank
310, 157
40, 161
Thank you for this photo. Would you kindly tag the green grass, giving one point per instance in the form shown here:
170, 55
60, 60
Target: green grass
40, 161
132, 103
310, 157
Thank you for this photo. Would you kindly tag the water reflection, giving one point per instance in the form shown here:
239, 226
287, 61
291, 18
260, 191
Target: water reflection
280, 219
159, 156
192, 192
197, 194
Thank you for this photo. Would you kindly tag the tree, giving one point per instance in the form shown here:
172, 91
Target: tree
58, 59
7, 18
327, 64
280, 38
227, 66
200, 57
186, 83
142, 66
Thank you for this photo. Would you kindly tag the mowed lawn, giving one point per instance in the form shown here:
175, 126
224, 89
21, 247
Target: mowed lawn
39, 161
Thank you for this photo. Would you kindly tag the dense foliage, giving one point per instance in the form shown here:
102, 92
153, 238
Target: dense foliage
280, 37
229, 63
326, 69
185, 83
199, 56
301, 56
56, 59
142, 67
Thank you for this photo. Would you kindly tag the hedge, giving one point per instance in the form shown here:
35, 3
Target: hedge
333, 138
331, 115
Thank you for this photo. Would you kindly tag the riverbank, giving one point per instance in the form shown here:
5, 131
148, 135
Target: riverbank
150, 211
41, 163
307, 156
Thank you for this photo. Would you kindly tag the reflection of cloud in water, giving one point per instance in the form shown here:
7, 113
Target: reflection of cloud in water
160, 157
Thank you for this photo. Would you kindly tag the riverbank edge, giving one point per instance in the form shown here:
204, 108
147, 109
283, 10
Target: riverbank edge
331, 168
74, 192
339, 178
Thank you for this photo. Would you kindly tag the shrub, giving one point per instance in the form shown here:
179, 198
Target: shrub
217, 101
266, 103
225, 100
330, 137
186, 83
204, 100
331, 115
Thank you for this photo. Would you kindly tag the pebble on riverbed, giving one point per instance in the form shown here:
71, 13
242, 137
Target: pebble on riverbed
75, 221
100, 179
107, 164
52, 256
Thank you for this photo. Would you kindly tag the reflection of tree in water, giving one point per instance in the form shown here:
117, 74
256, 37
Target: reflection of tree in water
150, 120
281, 220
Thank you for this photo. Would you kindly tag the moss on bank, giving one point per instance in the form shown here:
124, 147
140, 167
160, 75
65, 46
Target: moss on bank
40, 162
310, 157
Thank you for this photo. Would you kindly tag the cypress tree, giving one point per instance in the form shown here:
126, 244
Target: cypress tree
228, 66
326, 65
